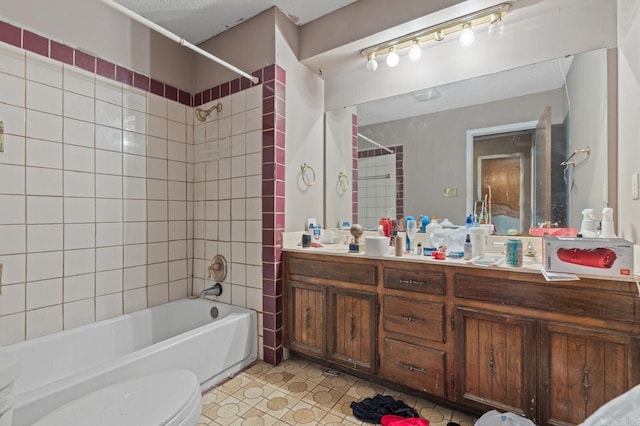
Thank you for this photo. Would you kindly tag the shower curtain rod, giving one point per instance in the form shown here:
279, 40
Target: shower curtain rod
375, 143
144, 21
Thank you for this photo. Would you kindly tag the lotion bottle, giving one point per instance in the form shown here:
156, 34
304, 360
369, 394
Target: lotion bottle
467, 248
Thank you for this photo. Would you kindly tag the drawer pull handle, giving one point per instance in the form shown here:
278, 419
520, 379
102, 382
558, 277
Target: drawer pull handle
412, 368
307, 318
411, 282
352, 329
586, 386
409, 318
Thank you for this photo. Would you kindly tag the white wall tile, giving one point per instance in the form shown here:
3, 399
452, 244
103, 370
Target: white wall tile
77, 132
14, 270
157, 273
41, 125
134, 143
158, 294
108, 90
109, 210
108, 282
44, 238
238, 295
135, 232
157, 105
44, 209
156, 126
178, 289
44, 154
12, 179
80, 235
13, 60
135, 277
134, 165
176, 132
108, 186
157, 252
109, 234
13, 239
254, 299
79, 81
13, 299
108, 162
134, 187
41, 266
156, 168
135, 300
135, 210
78, 106
109, 138
14, 150
109, 258
134, 98
177, 151
177, 112
78, 262
44, 181
12, 328
12, 209
177, 270
134, 254
108, 306
79, 287
157, 232
177, 230
134, 121
44, 293
79, 184
44, 98
78, 313
177, 171
13, 89
44, 70
78, 158
44, 321
14, 119
157, 189
156, 210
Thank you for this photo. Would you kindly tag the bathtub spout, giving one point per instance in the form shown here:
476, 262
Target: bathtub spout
215, 290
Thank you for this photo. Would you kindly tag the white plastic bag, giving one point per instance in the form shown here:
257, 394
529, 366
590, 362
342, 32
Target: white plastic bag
493, 418
622, 410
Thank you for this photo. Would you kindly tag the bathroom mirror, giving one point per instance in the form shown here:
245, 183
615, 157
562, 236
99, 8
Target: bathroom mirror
432, 134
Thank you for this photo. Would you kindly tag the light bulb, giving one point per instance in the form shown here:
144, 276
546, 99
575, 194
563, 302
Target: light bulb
466, 36
415, 52
496, 28
372, 64
392, 57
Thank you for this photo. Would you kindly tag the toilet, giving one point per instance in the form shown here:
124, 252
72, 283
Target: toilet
9, 372
167, 398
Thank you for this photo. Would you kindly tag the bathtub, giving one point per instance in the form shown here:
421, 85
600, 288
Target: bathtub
182, 334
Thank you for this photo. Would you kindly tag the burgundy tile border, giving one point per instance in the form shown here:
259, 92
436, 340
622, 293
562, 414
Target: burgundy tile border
27, 40
273, 207
354, 173
399, 151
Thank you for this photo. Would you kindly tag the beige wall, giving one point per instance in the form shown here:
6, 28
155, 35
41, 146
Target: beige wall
101, 31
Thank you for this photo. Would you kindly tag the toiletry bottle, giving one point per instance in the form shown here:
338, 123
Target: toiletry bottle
398, 246
467, 248
607, 223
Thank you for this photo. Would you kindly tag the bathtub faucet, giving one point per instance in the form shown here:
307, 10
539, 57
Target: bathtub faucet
215, 290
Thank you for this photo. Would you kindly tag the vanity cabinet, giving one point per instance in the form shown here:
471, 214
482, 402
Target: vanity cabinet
479, 338
582, 368
332, 310
496, 361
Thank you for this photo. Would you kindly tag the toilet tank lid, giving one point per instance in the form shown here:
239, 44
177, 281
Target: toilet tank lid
9, 368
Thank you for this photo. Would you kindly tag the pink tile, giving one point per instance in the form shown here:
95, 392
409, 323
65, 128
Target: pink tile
281, 90
235, 85
215, 93
35, 43
61, 52
10, 34
280, 203
245, 83
280, 122
156, 87
85, 61
281, 107
206, 96
225, 89
280, 172
280, 155
124, 75
354, 119
184, 98
280, 139
141, 81
279, 225
106, 69
170, 92
268, 105
281, 74
280, 187
269, 72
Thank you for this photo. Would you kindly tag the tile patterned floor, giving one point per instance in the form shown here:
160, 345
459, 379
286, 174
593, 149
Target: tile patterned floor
301, 393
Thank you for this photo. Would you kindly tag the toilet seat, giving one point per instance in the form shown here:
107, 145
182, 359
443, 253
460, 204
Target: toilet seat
168, 398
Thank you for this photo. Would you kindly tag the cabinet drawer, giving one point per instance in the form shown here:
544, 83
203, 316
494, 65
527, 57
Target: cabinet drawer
424, 320
334, 271
419, 368
422, 282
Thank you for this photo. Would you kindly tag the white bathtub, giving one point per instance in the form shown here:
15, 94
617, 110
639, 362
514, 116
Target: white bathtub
64, 366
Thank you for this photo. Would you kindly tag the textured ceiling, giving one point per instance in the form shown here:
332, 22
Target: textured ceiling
199, 20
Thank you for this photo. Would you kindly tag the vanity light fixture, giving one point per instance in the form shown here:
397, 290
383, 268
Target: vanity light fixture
466, 36
416, 40
392, 57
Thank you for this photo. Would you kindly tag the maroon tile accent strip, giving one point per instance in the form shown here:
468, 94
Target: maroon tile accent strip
85, 61
35, 43
124, 75
170, 92
141, 81
61, 52
273, 207
157, 87
10, 34
106, 69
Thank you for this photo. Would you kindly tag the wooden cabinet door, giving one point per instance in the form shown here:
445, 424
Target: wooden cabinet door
495, 361
580, 370
352, 329
307, 318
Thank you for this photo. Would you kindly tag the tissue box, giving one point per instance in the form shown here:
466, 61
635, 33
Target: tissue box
609, 257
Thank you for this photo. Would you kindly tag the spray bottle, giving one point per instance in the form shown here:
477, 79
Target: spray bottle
588, 226
607, 223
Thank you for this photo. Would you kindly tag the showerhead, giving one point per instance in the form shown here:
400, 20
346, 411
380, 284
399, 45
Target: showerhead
203, 114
